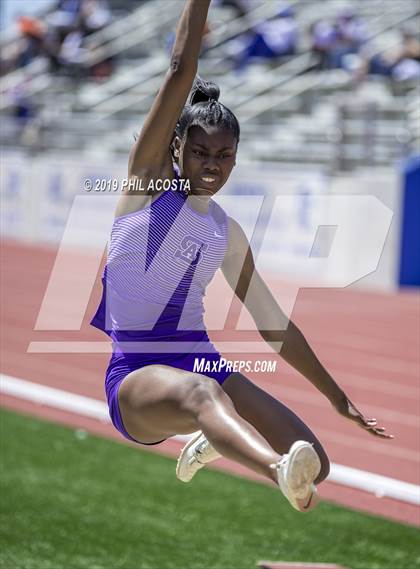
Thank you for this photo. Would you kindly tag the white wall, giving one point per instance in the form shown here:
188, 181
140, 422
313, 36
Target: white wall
37, 195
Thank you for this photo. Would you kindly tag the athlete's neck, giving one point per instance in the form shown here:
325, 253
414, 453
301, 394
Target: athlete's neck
199, 203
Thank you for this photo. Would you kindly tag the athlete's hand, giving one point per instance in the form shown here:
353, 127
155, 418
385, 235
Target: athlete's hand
346, 408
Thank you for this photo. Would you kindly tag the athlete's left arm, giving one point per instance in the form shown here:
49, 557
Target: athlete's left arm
275, 327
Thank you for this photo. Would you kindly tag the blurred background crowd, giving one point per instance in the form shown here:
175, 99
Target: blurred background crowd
57, 35
74, 69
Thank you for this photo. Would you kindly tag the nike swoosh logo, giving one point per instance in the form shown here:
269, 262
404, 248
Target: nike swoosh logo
309, 502
217, 235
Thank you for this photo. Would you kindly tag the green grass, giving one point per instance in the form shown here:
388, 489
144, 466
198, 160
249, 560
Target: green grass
71, 503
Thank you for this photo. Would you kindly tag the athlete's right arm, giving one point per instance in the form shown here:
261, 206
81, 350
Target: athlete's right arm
151, 157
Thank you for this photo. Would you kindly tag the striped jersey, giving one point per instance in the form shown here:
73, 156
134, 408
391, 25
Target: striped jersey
160, 261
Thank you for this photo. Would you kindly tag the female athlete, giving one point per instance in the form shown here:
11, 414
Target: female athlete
165, 248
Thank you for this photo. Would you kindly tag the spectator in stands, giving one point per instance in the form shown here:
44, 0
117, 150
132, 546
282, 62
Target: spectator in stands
76, 20
31, 45
272, 39
401, 63
68, 11
71, 52
323, 38
94, 15
60, 38
351, 35
333, 41
35, 41
65, 17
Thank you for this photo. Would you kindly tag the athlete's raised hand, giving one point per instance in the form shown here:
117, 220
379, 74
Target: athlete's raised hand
348, 410
150, 157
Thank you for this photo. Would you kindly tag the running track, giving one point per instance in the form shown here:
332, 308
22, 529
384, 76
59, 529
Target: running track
368, 341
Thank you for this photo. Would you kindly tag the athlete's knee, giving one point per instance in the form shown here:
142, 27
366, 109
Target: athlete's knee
202, 391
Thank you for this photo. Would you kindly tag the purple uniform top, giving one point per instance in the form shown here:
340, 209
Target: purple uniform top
160, 261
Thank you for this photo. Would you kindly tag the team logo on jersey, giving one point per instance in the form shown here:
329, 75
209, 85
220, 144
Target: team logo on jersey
191, 250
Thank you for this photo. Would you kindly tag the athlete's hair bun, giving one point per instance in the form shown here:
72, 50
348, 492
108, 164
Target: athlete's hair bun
203, 91
197, 112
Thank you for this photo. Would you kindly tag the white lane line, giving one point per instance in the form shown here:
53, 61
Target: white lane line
379, 485
368, 481
44, 395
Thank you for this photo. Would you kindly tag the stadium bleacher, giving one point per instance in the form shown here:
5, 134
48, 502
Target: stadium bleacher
289, 111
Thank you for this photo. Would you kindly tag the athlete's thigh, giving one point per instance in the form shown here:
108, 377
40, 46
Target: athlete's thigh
278, 424
152, 402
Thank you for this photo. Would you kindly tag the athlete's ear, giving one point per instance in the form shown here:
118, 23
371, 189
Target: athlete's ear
176, 144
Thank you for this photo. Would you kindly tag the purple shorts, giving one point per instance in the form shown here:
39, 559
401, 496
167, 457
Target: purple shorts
119, 367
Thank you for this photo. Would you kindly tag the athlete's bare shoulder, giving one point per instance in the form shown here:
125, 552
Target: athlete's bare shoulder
140, 190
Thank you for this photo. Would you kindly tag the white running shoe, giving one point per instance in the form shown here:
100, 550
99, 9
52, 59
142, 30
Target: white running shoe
296, 472
195, 455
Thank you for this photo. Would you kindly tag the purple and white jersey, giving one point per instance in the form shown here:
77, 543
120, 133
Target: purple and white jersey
160, 261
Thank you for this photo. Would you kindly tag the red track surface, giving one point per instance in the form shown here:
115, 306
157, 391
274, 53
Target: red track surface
368, 341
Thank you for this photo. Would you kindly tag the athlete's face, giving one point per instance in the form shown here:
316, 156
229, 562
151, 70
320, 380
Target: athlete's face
206, 158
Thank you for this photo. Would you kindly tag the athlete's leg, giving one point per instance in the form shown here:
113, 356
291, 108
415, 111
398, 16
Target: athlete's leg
276, 422
159, 401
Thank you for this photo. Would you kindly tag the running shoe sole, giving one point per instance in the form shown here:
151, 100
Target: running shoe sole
297, 471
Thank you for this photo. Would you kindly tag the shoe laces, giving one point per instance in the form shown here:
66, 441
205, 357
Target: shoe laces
201, 449
283, 460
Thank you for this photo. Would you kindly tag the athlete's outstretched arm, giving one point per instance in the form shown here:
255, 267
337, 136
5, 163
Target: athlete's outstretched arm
150, 157
274, 326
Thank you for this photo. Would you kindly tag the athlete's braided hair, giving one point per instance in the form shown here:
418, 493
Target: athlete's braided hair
203, 109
